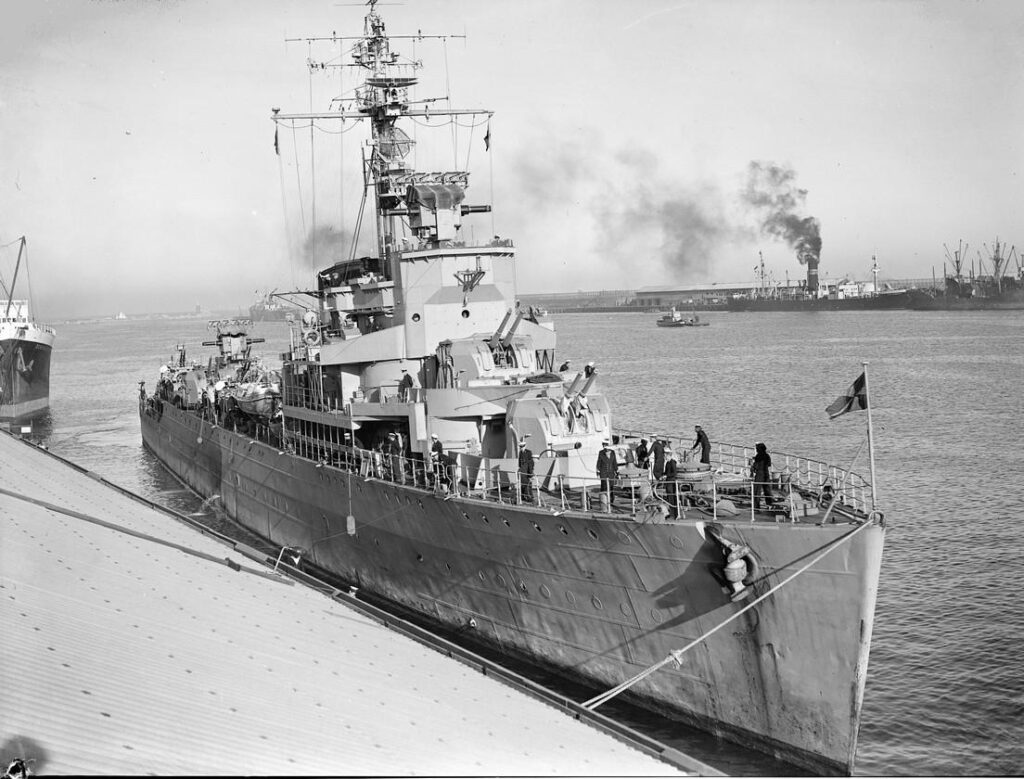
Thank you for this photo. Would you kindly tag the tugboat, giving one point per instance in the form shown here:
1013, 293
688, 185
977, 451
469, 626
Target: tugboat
25, 348
424, 449
673, 318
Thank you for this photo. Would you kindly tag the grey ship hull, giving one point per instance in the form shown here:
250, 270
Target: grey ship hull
24, 377
883, 302
597, 597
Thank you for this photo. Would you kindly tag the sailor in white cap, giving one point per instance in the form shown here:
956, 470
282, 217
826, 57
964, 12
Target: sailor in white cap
658, 456
437, 459
589, 370
525, 470
607, 471
405, 385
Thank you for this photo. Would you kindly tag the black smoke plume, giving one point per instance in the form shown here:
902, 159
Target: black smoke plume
628, 195
324, 245
771, 191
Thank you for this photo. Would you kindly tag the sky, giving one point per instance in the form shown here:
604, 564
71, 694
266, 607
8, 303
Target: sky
137, 146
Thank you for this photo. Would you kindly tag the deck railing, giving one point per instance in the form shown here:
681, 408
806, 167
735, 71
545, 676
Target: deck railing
800, 488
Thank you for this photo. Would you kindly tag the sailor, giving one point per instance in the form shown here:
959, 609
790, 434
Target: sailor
394, 450
760, 472
671, 468
437, 460
565, 367
525, 471
404, 385
658, 456
589, 370
607, 470
643, 457
704, 444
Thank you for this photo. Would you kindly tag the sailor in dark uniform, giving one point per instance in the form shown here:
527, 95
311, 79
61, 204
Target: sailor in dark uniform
760, 472
643, 457
525, 471
607, 470
658, 457
437, 460
704, 444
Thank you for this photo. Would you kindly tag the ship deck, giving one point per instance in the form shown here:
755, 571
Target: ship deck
135, 643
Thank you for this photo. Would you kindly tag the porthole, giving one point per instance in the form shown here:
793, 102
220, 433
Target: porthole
507, 523
481, 575
376, 541
448, 567
570, 597
562, 530
545, 591
485, 519
676, 541
500, 580
419, 558
522, 585
597, 603
624, 538
465, 313
465, 515
416, 317
592, 533
625, 609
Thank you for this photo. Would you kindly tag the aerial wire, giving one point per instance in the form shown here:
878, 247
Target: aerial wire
312, 165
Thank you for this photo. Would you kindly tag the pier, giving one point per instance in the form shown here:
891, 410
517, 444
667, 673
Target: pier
137, 642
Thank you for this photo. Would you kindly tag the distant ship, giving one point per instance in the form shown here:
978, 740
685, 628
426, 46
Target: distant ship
420, 445
844, 295
25, 348
968, 292
673, 318
120, 315
268, 308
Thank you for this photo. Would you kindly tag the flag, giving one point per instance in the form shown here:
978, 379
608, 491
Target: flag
487, 137
277, 149
855, 399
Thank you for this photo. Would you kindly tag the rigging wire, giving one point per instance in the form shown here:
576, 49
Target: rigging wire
448, 99
298, 179
287, 220
312, 167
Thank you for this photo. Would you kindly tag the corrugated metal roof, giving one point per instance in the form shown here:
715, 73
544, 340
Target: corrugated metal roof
124, 655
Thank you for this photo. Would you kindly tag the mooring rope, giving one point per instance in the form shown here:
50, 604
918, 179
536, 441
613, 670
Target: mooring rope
676, 654
137, 534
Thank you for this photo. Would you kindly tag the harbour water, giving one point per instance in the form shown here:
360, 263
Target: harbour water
945, 689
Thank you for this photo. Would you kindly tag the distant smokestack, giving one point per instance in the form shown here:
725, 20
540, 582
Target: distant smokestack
812, 275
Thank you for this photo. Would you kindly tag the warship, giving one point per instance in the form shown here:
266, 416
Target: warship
25, 349
418, 444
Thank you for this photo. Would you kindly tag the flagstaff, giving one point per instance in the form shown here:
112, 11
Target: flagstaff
871, 438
